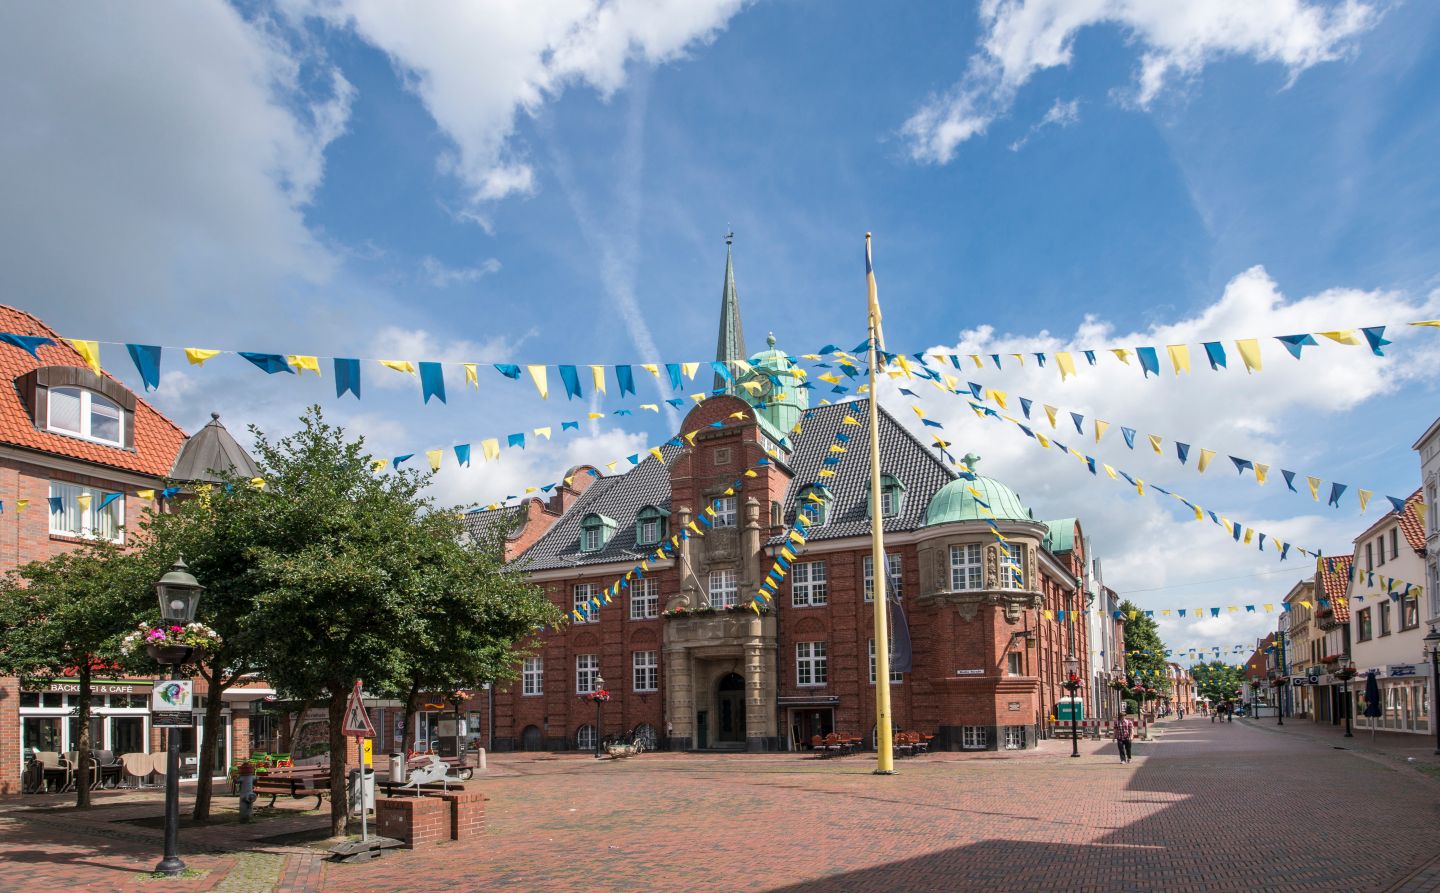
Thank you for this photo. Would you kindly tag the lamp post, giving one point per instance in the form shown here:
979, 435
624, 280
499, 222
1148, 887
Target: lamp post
1345, 674
599, 696
179, 595
1072, 684
1432, 645
1280, 680
1117, 681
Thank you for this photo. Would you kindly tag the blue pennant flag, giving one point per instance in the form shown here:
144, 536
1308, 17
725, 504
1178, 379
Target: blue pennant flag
1296, 343
32, 343
623, 412
1079, 420
995, 358
1398, 503
347, 377
977, 391
398, 460
1149, 362
1336, 491
147, 362
1261, 547
169, 492
1090, 463
270, 363
109, 498
569, 426
1090, 357
906, 391
1040, 358
634, 459
432, 382
723, 370
1129, 436
1025, 404
1375, 335
1183, 451
1215, 353
1289, 479
931, 423
462, 454
673, 370
676, 402
516, 440
1242, 464
571, 378
625, 378
57, 504
509, 370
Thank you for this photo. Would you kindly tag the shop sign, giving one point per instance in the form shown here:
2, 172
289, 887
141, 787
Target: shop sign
171, 703
96, 688
969, 672
1402, 669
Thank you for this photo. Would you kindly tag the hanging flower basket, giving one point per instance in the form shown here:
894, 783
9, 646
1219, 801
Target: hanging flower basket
173, 644
599, 696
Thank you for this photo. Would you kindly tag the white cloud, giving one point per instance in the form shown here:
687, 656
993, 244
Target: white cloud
1285, 414
1176, 38
476, 67
415, 345
1061, 114
153, 151
442, 276
541, 462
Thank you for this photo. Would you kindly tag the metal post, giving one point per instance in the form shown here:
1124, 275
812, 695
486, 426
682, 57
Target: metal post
1074, 730
598, 707
884, 736
172, 865
1346, 704
1279, 691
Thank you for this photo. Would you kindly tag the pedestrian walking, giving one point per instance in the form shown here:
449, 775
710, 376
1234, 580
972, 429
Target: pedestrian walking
1124, 733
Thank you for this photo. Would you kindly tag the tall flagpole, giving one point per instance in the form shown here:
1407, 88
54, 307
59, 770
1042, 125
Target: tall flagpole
879, 567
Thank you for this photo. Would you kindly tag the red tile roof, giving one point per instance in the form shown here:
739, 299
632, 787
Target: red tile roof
1410, 523
157, 439
1335, 584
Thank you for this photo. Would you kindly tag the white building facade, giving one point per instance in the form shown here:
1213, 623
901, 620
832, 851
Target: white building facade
1428, 446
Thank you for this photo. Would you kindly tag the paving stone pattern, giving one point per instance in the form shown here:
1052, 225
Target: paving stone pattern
1203, 808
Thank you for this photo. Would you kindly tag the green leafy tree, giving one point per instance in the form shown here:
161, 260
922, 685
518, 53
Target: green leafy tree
67, 614
1145, 659
1217, 680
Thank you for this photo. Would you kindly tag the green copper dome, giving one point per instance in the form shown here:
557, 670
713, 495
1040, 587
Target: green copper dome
783, 405
955, 502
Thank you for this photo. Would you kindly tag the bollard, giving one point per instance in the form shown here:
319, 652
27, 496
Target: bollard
397, 768
481, 752
245, 782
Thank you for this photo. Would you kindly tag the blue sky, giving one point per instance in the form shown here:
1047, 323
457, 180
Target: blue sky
551, 183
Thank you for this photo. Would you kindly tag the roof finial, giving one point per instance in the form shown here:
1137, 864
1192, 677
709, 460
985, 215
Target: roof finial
770, 340
729, 236
970, 460
215, 416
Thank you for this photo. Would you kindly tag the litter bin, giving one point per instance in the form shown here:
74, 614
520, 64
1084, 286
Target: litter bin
356, 793
397, 768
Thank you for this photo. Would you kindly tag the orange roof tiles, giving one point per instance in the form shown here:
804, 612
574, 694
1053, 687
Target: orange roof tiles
1410, 523
157, 439
1333, 576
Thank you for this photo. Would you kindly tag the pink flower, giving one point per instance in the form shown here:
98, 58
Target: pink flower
176, 629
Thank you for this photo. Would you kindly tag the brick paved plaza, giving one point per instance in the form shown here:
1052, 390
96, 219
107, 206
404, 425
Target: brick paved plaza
1204, 807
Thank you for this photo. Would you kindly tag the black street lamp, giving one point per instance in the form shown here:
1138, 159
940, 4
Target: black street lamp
1280, 680
1072, 684
599, 696
1432, 645
179, 594
1345, 674
1118, 681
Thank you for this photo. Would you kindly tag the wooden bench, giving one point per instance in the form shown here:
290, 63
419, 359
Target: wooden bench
297, 783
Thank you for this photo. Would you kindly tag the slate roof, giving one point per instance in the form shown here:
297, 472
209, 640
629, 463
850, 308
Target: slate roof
1336, 586
480, 524
157, 439
620, 497
916, 466
210, 452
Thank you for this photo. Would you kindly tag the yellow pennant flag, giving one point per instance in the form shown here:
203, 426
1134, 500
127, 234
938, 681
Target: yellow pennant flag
145, 494
1249, 352
750, 473
490, 448
541, 375
1110, 471
850, 420
1199, 514
1041, 438
472, 375
89, 350
1260, 472
257, 483
597, 375
829, 377
691, 368
597, 415
1344, 336
377, 464
1179, 357
690, 437
655, 451
83, 500
651, 368
1314, 487
979, 365
1100, 428
529, 490
304, 363
1050, 414
1122, 354
1155, 441
699, 398
399, 366
1249, 536
826, 472
1066, 364
1019, 357
543, 432
196, 356
611, 465
1427, 322
1205, 457
653, 407
1139, 487
1049, 614
999, 397
22, 504
918, 411
1365, 498
434, 457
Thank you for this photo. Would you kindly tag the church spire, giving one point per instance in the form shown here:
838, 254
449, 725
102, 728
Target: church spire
730, 348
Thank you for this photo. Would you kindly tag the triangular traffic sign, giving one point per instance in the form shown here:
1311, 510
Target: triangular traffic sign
357, 721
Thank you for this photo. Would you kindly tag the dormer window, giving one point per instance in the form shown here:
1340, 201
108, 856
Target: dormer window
892, 496
650, 526
814, 504
595, 532
82, 413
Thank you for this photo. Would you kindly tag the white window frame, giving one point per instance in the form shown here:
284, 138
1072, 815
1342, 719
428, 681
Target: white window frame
724, 588
967, 566
645, 599
88, 520
867, 571
87, 402
896, 677
649, 531
645, 670
592, 537
725, 511
587, 668
1014, 664
974, 737
1012, 573
811, 670
808, 588
585, 738
532, 677
590, 614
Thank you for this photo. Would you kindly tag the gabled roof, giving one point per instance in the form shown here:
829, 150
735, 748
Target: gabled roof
486, 522
901, 455
157, 439
211, 452
1060, 535
1410, 523
1335, 585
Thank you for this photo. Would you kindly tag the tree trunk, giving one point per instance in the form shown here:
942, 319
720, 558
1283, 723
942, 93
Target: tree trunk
408, 723
82, 749
339, 802
209, 743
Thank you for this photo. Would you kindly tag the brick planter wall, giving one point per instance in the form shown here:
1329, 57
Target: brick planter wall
418, 821
467, 813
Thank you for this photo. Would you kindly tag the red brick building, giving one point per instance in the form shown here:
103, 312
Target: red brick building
991, 623
77, 449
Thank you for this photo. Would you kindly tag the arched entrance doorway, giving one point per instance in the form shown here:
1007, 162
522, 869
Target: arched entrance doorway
730, 710
530, 738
